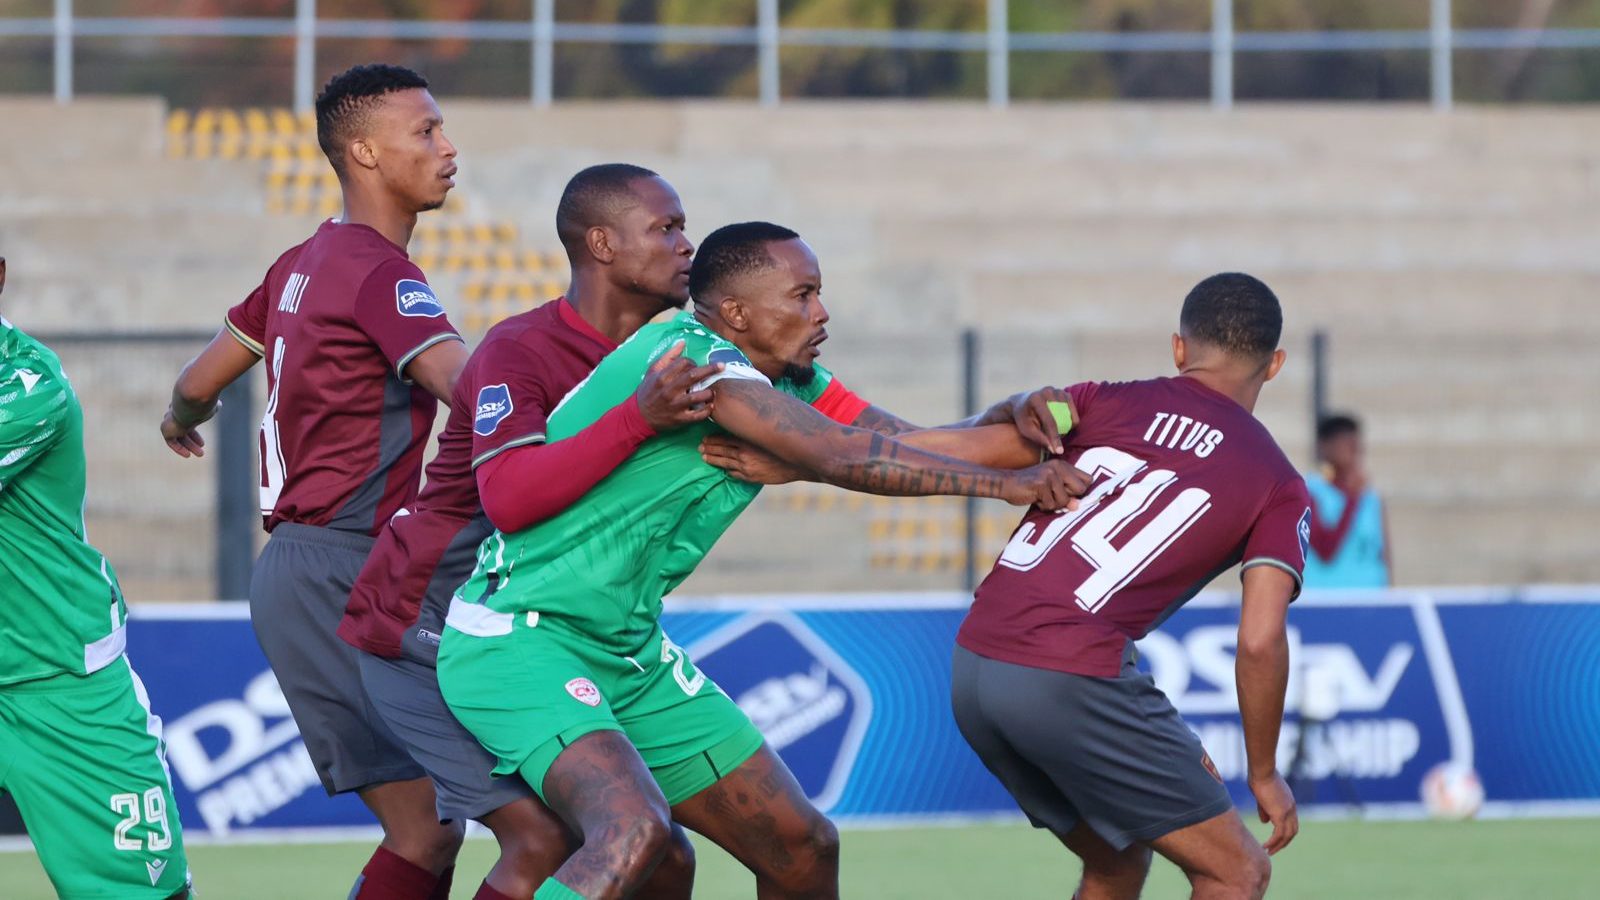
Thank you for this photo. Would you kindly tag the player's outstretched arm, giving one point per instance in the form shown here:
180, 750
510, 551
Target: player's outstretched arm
998, 446
198, 391
865, 461
1261, 670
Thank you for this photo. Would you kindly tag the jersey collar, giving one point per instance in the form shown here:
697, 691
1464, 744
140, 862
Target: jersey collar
579, 324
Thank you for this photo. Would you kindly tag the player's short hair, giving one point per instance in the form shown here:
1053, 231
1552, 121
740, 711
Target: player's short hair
593, 197
733, 250
349, 98
1234, 313
1336, 424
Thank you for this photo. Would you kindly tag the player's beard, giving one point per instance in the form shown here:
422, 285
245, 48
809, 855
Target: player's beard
799, 376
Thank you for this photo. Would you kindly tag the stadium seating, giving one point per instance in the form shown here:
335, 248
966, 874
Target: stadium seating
1451, 260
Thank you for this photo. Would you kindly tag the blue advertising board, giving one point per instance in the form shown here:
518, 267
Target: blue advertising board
853, 691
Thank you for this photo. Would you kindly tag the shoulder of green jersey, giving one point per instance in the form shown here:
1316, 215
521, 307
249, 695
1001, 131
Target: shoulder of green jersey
735, 365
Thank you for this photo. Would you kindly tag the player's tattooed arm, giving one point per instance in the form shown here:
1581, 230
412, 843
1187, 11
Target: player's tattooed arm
198, 391
865, 461
749, 463
880, 420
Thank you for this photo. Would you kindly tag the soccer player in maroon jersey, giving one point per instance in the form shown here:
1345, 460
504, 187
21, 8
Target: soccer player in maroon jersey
358, 352
1187, 483
622, 227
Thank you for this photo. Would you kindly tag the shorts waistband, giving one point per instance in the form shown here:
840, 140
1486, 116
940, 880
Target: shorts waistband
327, 537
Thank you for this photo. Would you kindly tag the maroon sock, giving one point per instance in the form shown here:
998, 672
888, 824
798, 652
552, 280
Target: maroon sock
441, 891
389, 876
486, 891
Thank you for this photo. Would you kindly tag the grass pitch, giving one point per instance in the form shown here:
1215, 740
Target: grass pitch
1365, 860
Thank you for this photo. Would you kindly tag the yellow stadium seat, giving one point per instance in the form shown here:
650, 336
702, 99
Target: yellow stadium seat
505, 260
453, 261
505, 232
473, 292
329, 205
482, 233
532, 262
178, 133
478, 261
427, 260
499, 293
456, 235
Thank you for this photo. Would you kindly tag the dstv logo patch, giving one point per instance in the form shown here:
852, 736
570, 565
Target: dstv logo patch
494, 404
812, 708
415, 298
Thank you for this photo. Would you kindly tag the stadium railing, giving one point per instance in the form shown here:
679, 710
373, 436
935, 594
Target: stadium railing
542, 32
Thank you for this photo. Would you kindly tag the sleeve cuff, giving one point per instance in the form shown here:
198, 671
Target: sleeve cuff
1299, 580
250, 343
414, 352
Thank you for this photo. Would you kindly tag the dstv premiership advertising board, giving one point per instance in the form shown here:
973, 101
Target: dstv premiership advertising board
1400, 703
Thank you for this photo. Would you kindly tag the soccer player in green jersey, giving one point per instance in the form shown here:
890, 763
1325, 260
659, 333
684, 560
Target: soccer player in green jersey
80, 750
553, 655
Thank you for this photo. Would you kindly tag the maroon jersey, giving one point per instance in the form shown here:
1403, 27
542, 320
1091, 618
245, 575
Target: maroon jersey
1186, 484
523, 368
337, 320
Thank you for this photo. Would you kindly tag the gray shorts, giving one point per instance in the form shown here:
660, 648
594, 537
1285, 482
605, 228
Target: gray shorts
1108, 752
407, 695
298, 592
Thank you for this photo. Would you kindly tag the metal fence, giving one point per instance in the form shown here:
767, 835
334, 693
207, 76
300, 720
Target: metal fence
769, 37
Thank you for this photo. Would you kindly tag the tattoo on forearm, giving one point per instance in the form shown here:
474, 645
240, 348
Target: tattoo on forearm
874, 419
886, 467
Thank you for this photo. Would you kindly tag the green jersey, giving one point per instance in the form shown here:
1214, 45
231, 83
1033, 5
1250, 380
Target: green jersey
61, 611
600, 567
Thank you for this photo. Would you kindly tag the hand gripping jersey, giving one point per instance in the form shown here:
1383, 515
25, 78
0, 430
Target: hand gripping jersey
337, 321
1186, 485
600, 568
61, 611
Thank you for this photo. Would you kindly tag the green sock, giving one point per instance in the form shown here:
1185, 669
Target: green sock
555, 890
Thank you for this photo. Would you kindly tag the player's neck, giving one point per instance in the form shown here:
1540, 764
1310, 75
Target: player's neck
1241, 390
381, 214
615, 314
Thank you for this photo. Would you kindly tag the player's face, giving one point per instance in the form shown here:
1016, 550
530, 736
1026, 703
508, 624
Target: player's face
1342, 451
416, 160
786, 317
653, 253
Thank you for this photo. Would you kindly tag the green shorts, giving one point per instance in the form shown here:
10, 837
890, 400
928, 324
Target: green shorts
529, 694
84, 760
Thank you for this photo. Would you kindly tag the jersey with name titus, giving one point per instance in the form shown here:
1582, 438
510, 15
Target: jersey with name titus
337, 320
599, 569
1186, 484
61, 611
520, 371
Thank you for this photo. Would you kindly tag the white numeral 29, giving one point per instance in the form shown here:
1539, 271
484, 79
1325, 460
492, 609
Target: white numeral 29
155, 813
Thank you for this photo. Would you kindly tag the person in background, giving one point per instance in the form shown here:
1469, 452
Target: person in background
1349, 530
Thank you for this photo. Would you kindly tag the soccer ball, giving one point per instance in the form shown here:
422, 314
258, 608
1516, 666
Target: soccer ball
1452, 791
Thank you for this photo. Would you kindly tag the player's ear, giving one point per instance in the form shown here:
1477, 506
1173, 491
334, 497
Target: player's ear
1180, 353
363, 153
734, 313
598, 240
1273, 367
2, 274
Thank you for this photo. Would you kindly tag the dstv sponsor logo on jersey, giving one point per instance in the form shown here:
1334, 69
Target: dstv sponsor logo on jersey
241, 757
811, 707
415, 298
494, 404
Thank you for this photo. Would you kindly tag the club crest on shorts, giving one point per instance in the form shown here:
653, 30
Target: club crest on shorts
584, 691
415, 298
